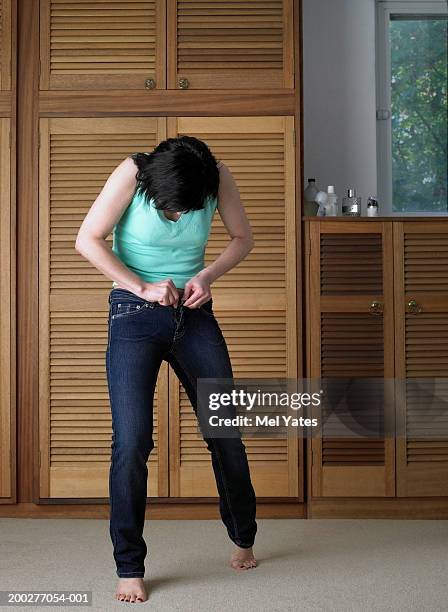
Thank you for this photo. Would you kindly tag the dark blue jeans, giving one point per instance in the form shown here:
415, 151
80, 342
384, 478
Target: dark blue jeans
141, 334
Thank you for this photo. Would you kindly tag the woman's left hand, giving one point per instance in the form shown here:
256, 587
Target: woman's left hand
196, 291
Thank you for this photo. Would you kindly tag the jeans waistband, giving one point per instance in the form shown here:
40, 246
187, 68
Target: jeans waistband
117, 293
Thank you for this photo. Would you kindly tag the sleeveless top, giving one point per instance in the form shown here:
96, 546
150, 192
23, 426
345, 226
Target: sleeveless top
156, 248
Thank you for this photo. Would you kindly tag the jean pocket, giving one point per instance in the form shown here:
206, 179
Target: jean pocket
131, 308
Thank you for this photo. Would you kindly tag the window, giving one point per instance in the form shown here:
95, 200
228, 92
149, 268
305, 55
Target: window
412, 60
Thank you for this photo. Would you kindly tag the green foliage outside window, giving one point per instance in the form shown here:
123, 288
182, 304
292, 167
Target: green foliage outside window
419, 113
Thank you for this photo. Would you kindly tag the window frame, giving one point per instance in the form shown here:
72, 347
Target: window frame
383, 94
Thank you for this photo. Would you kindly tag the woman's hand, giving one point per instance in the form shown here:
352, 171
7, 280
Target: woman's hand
197, 291
164, 292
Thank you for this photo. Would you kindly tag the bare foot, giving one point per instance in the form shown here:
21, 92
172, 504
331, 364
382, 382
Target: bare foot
131, 590
242, 559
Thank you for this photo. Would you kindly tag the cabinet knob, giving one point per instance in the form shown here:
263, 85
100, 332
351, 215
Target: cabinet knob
184, 83
376, 308
414, 307
150, 83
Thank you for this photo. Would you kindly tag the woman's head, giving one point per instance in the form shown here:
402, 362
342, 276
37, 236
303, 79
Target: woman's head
179, 174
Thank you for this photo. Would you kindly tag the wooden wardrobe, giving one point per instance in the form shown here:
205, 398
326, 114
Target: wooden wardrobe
95, 82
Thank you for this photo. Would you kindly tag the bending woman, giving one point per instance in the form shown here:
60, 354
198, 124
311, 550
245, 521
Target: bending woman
160, 206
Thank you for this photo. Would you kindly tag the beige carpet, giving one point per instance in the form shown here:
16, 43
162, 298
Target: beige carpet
307, 565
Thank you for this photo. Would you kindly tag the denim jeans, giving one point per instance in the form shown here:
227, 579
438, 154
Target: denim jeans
141, 334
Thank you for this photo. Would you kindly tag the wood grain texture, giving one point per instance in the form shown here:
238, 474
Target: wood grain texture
422, 358
87, 100
254, 302
74, 405
350, 267
27, 276
7, 322
231, 46
97, 45
7, 38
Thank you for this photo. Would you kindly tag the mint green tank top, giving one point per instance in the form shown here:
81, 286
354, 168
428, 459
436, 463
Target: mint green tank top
156, 248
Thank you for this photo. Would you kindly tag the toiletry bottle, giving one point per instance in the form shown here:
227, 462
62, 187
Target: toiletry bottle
321, 200
372, 207
310, 206
351, 204
331, 205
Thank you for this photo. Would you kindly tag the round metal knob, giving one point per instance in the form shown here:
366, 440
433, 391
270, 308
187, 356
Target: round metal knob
150, 83
376, 308
414, 307
184, 83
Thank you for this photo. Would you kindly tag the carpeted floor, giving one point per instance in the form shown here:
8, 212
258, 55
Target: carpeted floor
307, 565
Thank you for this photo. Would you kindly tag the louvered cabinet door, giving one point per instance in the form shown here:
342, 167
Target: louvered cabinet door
350, 336
92, 44
421, 293
7, 310
5, 45
225, 45
255, 302
76, 156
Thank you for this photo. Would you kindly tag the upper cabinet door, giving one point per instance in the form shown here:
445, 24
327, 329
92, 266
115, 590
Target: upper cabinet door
88, 44
222, 45
5, 45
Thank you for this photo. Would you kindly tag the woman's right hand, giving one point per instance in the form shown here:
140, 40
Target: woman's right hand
164, 292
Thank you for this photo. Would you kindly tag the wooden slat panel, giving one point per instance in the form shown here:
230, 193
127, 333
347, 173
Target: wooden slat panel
7, 307
254, 302
351, 264
426, 263
92, 44
257, 162
426, 399
352, 345
247, 44
257, 350
422, 358
349, 268
94, 152
75, 418
5, 45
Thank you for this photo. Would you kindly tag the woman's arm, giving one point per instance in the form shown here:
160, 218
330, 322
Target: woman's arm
233, 215
104, 213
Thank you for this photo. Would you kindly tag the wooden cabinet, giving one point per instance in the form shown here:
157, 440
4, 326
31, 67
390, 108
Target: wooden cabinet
7, 269
7, 321
5, 45
119, 44
350, 336
255, 304
377, 306
160, 44
74, 411
421, 357
225, 45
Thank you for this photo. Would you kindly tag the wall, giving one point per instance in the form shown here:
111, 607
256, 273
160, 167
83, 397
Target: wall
339, 95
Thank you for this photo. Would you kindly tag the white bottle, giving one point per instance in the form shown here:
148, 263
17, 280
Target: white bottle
310, 207
331, 205
321, 200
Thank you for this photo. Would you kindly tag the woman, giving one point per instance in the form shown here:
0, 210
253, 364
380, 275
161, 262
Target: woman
160, 207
